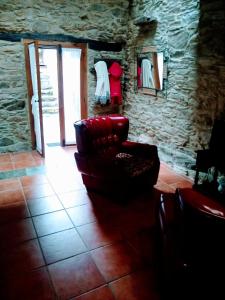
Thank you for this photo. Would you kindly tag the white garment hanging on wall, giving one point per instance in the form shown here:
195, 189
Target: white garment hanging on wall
102, 92
146, 74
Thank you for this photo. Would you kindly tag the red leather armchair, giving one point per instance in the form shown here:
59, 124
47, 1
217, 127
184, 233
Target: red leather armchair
109, 162
191, 245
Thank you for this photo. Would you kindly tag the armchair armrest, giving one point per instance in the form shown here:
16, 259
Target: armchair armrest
203, 151
93, 165
204, 160
142, 149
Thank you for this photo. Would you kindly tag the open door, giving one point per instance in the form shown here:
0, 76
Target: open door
71, 91
36, 96
70, 72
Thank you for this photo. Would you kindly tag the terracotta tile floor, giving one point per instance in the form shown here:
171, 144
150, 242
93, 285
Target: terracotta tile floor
59, 242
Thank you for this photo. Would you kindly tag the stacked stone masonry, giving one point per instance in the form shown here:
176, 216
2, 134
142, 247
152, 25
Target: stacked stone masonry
103, 20
14, 124
178, 120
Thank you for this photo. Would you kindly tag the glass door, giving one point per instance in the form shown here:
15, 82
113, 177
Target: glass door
36, 96
62, 67
71, 91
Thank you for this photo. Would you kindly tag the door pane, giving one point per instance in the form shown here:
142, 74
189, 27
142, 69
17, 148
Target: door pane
49, 92
71, 91
35, 98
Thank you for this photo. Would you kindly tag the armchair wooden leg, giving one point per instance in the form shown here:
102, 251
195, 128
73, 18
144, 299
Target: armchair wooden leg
196, 178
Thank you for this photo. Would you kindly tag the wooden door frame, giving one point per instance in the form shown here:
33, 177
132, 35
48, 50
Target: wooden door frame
83, 83
30, 93
61, 96
39, 97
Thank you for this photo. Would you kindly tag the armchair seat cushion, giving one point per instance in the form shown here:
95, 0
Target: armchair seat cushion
133, 165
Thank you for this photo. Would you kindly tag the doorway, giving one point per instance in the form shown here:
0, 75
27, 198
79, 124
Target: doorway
50, 96
57, 89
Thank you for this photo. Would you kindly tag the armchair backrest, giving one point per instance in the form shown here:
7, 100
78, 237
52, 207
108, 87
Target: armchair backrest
217, 141
100, 134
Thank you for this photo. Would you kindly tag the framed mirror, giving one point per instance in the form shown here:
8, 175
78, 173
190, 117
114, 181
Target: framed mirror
151, 70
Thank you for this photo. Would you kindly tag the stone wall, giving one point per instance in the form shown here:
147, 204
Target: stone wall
179, 121
97, 19
103, 20
96, 108
14, 125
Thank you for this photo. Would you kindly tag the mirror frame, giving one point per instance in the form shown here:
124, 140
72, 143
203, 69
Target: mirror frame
151, 91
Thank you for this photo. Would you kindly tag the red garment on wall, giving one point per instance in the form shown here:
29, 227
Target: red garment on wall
115, 72
139, 77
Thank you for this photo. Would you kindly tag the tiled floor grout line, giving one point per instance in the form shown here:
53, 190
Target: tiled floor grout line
95, 289
73, 223
124, 239
18, 172
74, 227
42, 253
89, 253
45, 213
110, 281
